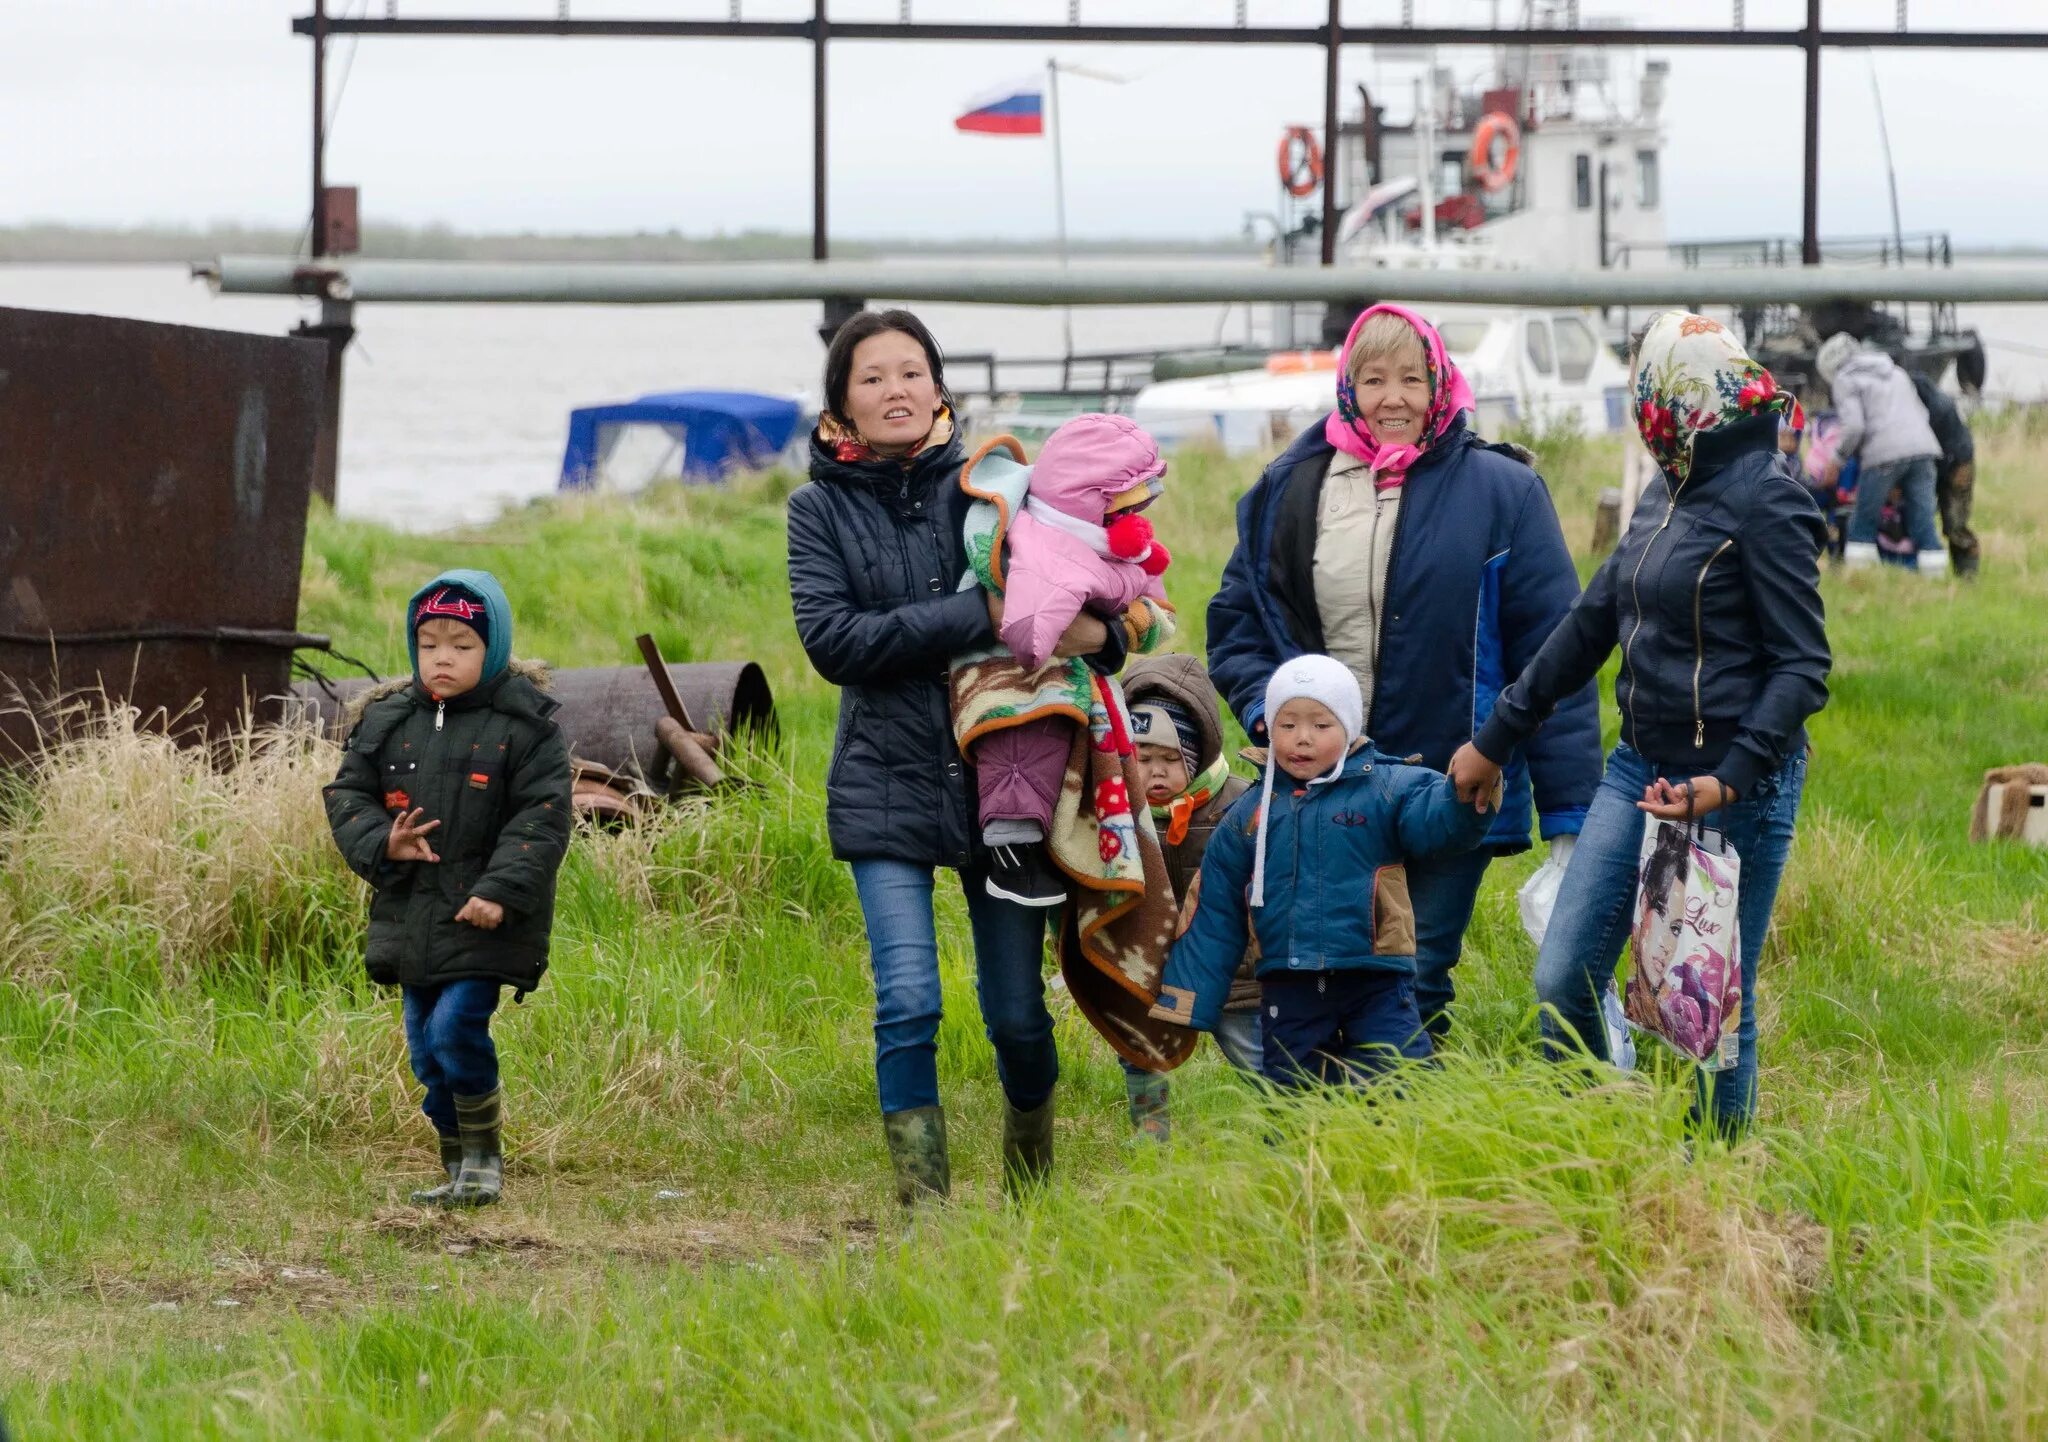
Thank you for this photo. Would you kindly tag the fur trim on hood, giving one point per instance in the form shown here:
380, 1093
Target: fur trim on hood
539, 673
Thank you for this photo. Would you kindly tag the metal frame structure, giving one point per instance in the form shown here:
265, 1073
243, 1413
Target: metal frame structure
820, 32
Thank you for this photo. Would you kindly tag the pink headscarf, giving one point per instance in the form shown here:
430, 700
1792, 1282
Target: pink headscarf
1448, 394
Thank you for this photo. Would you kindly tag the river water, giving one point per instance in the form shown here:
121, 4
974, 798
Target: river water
451, 412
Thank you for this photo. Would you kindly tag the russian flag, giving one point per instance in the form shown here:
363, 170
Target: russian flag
1016, 109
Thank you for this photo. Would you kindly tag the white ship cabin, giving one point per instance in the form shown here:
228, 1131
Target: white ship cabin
1552, 158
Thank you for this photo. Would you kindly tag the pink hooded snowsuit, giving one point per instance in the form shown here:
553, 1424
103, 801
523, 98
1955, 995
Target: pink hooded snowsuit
1057, 561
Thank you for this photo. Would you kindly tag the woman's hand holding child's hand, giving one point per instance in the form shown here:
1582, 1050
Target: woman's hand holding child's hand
1669, 799
1477, 779
478, 912
408, 838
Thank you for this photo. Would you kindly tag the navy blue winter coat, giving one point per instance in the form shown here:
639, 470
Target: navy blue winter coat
1479, 575
1336, 894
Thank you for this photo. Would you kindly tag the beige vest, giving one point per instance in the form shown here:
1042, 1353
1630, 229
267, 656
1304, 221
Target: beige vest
1354, 543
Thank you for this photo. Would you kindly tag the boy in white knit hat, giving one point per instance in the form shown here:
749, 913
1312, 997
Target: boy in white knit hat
1318, 852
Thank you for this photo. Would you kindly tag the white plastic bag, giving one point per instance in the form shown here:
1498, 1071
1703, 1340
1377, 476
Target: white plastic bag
1538, 896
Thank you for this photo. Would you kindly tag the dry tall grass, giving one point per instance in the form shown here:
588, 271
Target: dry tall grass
212, 854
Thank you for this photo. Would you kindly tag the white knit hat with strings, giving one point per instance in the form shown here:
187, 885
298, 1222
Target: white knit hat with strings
1322, 679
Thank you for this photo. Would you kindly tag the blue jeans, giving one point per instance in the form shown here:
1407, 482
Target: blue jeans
1443, 892
1915, 480
1236, 1036
1009, 977
1596, 910
448, 1031
1338, 1026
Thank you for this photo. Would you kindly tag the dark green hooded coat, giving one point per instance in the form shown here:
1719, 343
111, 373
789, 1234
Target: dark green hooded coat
491, 766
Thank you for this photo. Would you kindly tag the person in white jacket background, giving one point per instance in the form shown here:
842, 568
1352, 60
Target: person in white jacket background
1885, 427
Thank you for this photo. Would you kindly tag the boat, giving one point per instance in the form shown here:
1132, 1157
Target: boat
695, 436
1534, 370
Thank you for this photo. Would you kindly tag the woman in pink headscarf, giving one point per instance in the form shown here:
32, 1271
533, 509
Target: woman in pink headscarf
1430, 563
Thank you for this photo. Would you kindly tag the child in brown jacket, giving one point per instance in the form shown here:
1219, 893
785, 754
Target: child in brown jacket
1189, 785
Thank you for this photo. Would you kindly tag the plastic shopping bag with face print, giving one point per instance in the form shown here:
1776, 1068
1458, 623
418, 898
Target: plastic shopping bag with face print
1685, 971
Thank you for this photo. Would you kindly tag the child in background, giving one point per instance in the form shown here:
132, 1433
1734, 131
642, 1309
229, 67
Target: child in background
1189, 787
1323, 856
1076, 542
453, 803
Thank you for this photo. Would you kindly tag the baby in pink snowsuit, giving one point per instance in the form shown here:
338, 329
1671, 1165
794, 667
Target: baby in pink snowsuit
1077, 543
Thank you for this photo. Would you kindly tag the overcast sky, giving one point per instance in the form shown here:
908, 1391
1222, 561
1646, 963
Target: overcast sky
137, 111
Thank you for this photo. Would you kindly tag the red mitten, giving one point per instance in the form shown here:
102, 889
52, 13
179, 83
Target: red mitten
1129, 535
1157, 562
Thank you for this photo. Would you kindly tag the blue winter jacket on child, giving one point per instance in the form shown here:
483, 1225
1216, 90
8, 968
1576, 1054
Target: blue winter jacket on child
1336, 880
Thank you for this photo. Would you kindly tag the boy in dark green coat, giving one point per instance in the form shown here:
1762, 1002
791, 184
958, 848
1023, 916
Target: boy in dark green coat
453, 803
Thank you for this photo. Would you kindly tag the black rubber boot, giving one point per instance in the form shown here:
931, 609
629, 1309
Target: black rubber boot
917, 1153
482, 1177
451, 1162
1027, 1148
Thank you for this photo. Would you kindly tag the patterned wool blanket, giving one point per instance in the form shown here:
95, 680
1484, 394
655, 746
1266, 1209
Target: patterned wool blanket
1120, 916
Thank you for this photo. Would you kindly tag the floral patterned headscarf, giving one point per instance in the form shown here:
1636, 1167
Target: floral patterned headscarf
1692, 376
1448, 394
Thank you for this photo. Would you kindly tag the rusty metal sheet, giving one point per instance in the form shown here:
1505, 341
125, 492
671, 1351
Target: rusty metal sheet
153, 490
609, 713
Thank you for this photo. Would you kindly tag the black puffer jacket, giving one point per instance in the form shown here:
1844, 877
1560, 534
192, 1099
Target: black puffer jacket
494, 772
876, 553
1714, 598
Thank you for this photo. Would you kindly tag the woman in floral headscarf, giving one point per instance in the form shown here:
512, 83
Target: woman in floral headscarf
1431, 564
1714, 598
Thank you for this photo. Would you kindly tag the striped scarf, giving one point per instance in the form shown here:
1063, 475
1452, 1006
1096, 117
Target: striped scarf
1201, 791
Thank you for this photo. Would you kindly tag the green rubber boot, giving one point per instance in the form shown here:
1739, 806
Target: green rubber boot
917, 1153
1149, 1115
1027, 1148
451, 1162
482, 1177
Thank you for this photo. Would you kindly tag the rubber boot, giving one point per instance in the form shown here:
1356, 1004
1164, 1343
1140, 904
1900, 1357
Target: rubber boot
1149, 1114
917, 1154
451, 1162
1027, 1148
482, 1178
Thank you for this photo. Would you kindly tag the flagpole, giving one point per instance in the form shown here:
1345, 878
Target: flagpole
1059, 189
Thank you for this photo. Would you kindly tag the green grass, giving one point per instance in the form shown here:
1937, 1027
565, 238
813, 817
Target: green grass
207, 1128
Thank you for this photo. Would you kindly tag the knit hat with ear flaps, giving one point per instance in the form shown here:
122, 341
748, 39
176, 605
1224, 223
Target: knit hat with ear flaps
1329, 682
1162, 721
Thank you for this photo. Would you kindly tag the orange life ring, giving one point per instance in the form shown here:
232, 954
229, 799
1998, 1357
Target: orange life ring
1301, 161
1495, 125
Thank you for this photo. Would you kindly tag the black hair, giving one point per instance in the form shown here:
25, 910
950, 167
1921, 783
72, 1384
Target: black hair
864, 325
1666, 864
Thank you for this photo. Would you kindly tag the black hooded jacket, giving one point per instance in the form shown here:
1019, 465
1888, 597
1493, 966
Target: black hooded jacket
492, 767
876, 554
1714, 598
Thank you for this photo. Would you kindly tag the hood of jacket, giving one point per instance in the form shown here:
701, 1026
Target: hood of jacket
1183, 679
1090, 462
498, 610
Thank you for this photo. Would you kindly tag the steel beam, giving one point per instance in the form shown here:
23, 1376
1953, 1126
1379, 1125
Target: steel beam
460, 282
1440, 35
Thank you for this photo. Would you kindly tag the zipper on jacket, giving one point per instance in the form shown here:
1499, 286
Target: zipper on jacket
440, 713
1699, 647
1393, 549
1636, 597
